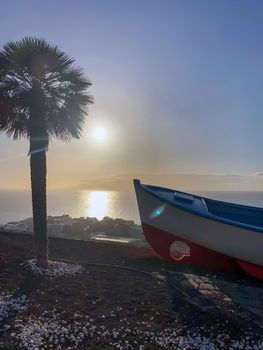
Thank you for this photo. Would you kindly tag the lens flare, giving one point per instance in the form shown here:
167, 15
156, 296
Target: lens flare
157, 212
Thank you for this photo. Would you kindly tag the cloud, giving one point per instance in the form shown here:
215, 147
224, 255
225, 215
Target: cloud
258, 173
186, 182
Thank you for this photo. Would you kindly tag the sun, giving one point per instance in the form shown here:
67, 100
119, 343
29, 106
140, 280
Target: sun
99, 133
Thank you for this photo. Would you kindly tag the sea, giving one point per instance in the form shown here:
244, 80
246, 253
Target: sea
16, 205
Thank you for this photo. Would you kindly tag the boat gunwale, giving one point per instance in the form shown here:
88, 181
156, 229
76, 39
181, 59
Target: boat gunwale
150, 189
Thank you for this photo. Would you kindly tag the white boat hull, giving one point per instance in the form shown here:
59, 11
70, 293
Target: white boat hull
238, 243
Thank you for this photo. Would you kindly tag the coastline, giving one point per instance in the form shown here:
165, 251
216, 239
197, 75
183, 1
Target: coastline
125, 231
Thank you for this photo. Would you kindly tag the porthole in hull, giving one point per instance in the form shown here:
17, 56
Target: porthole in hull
178, 250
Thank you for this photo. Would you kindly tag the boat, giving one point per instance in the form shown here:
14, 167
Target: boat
188, 228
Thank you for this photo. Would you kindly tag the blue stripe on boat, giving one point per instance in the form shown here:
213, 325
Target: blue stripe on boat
244, 216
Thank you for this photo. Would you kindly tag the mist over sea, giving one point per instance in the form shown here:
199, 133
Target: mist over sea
16, 205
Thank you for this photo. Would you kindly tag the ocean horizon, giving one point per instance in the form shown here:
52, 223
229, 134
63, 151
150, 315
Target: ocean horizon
16, 205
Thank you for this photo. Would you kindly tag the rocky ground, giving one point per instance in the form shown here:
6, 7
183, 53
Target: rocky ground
112, 296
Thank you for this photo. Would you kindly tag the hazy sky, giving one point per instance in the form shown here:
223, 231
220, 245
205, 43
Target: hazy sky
178, 85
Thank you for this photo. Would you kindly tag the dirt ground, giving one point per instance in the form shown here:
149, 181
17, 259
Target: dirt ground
109, 307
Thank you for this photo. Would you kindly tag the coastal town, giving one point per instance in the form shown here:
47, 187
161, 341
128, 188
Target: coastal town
84, 228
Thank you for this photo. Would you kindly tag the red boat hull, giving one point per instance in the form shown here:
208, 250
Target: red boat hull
161, 242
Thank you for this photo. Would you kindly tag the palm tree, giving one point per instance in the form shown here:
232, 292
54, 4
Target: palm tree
42, 95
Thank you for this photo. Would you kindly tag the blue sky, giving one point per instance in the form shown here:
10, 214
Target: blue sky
178, 84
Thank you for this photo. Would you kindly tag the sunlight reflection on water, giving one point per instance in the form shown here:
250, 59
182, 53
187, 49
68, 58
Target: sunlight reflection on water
16, 205
97, 204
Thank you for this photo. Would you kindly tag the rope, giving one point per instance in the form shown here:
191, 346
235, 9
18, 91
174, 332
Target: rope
150, 274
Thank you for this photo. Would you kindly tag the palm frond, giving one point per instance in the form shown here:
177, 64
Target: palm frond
33, 54
33, 69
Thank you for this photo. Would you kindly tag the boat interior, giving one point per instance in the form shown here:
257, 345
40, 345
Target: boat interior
201, 205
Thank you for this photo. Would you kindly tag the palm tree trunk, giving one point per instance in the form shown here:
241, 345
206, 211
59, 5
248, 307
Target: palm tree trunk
38, 186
